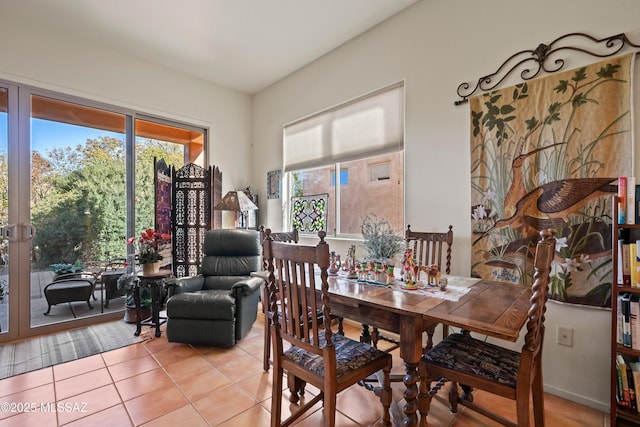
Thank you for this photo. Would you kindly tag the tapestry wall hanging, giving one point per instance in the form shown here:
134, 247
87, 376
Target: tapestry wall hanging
309, 213
547, 154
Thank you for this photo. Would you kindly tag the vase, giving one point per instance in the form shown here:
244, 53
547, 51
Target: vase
130, 314
150, 268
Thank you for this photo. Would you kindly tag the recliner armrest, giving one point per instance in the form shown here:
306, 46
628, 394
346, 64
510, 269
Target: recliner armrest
185, 284
247, 286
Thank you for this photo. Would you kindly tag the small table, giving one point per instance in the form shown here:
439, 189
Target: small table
155, 282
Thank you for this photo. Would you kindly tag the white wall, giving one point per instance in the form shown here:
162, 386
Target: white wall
434, 46
38, 56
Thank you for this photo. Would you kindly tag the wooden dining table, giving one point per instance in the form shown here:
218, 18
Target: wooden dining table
489, 308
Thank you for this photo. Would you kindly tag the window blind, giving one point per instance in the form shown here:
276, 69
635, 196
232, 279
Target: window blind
367, 126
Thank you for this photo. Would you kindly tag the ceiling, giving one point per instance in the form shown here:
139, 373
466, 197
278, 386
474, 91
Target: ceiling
245, 45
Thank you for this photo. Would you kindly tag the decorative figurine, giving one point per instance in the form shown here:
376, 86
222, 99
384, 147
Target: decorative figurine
334, 267
390, 276
433, 274
409, 267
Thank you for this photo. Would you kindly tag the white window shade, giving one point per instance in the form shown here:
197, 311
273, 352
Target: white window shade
368, 126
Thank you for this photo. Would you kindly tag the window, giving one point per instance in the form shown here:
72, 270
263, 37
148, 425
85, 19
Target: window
380, 171
344, 177
364, 140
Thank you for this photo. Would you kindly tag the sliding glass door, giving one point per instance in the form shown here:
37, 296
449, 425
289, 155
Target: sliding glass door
78, 203
4, 211
76, 178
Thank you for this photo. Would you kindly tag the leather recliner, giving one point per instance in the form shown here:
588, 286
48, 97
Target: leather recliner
219, 306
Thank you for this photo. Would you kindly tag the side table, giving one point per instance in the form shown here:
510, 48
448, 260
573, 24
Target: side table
155, 282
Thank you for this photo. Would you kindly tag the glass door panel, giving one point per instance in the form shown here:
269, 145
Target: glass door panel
78, 204
4, 211
155, 141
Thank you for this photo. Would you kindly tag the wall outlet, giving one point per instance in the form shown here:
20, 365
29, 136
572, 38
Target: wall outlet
564, 336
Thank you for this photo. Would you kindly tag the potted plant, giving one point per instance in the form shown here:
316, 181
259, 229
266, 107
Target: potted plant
62, 268
381, 241
149, 246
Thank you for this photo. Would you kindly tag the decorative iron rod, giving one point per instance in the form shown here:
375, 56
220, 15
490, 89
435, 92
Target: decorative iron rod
539, 56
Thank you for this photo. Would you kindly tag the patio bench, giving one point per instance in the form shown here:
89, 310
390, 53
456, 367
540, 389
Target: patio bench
72, 289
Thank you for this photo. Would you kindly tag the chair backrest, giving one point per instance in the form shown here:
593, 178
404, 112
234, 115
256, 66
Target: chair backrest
545, 251
295, 272
231, 252
428, 248
281, 236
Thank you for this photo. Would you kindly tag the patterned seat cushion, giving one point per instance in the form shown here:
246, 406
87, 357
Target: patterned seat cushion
350, 355
465, 354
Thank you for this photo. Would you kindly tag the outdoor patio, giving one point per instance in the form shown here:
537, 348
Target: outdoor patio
60, 312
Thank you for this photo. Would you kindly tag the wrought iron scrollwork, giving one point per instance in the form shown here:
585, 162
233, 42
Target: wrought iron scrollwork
533, 61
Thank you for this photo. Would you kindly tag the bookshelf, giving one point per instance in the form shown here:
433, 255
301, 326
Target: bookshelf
621, 415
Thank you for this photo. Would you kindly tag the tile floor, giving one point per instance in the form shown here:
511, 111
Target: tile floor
157, 383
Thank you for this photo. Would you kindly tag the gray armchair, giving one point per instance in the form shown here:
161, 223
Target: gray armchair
220, 305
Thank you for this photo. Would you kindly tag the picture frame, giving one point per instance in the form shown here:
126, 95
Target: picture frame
274, 183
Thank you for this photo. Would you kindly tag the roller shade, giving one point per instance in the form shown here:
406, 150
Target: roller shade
367, 126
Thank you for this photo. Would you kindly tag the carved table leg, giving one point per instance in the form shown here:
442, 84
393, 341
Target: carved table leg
410, 394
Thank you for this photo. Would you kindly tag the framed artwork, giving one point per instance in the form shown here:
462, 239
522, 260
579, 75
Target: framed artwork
273, 184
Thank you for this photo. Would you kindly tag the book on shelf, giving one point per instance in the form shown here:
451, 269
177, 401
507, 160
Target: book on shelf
626, 320
625, 260
633, 264
622, 200
624, 382
635, 372
619, 385
630, 213
619, 338
634, 315
633, 404
636, 273
637, 204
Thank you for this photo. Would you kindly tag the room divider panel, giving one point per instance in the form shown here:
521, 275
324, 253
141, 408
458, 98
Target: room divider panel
191, 216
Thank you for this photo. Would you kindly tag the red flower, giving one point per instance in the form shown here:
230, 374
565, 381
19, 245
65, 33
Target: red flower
149, 243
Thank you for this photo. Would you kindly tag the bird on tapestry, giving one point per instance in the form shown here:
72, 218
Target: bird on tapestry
517, 190
547, 205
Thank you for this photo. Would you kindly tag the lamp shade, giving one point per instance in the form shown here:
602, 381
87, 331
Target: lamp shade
236, 201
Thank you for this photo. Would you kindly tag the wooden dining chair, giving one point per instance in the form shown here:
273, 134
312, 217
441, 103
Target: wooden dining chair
475, 363
282, 236
331, 362
428, 248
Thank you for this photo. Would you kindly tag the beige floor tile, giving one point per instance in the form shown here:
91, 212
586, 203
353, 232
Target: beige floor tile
116, 416
240, 367
30, 419
146, 382
198, 386
26, 381
153, 405
186, 368
252, 417
44, 394
77, 367
132, 367
90, 402
123, 354
174, 353
259, 386
224, 404
186, 416
81, 383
